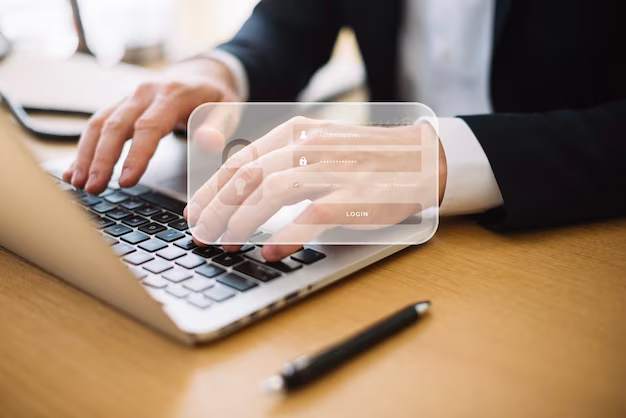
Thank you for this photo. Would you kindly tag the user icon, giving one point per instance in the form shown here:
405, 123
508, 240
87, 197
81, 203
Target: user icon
303, 135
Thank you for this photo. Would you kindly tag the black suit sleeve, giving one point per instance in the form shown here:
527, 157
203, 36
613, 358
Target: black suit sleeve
555, 168
283, 44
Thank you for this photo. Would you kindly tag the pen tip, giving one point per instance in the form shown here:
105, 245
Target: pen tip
422, 307
273, 384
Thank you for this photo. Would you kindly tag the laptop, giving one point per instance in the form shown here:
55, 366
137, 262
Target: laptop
132, 249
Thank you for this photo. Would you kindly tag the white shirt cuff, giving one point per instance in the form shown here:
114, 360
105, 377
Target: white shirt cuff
235, 67
471, 186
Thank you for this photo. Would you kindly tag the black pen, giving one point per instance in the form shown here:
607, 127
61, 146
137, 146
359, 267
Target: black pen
306, 369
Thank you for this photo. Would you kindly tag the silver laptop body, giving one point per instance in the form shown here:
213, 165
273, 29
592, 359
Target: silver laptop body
44, 222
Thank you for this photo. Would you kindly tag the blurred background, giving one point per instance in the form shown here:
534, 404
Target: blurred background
151, 33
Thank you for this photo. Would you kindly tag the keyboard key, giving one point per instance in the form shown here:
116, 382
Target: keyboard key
180, 225
156, 282
138, 272
103, 222
186, 244
245, 248
170, 235
190, 261
286, 265
117, 197
103, 207
157, 266
137, 190
255, 255
122, 249
152, 228
135, 237
138, 258
199, 301
165, 217
198, 284
89, 200
177, 275
117, 230
107, 192
228, 259
171, 253
164, 201
308, 256
152, 245
208, 251
219, 293
109, 240
257, 271
236, 282
118, 214
209, 270
134, 221
147, 210
177, 291
132, 204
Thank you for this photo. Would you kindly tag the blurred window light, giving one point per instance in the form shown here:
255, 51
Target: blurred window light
112, 27
44, 26
199, 25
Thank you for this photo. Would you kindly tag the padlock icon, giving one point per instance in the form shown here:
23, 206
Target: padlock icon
303, 161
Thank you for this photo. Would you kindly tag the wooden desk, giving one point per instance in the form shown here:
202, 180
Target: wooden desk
529, 325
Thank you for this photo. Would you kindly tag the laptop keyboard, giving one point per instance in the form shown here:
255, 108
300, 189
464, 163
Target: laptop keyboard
147, 231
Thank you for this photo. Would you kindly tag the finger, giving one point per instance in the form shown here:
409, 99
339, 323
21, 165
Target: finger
205, 194
87, 146
69, 172
315, 219
276, 252
214, 217
158, 120
279, 189
277, 138
115, 132
237, 189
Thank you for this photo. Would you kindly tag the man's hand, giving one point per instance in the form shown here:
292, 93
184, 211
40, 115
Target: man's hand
147, 115
265, 176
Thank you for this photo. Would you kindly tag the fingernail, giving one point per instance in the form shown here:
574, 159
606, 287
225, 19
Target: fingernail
126, 172
270, 252
193, 211
229, 237
93, 179
201, 233
68, 174
77, 177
